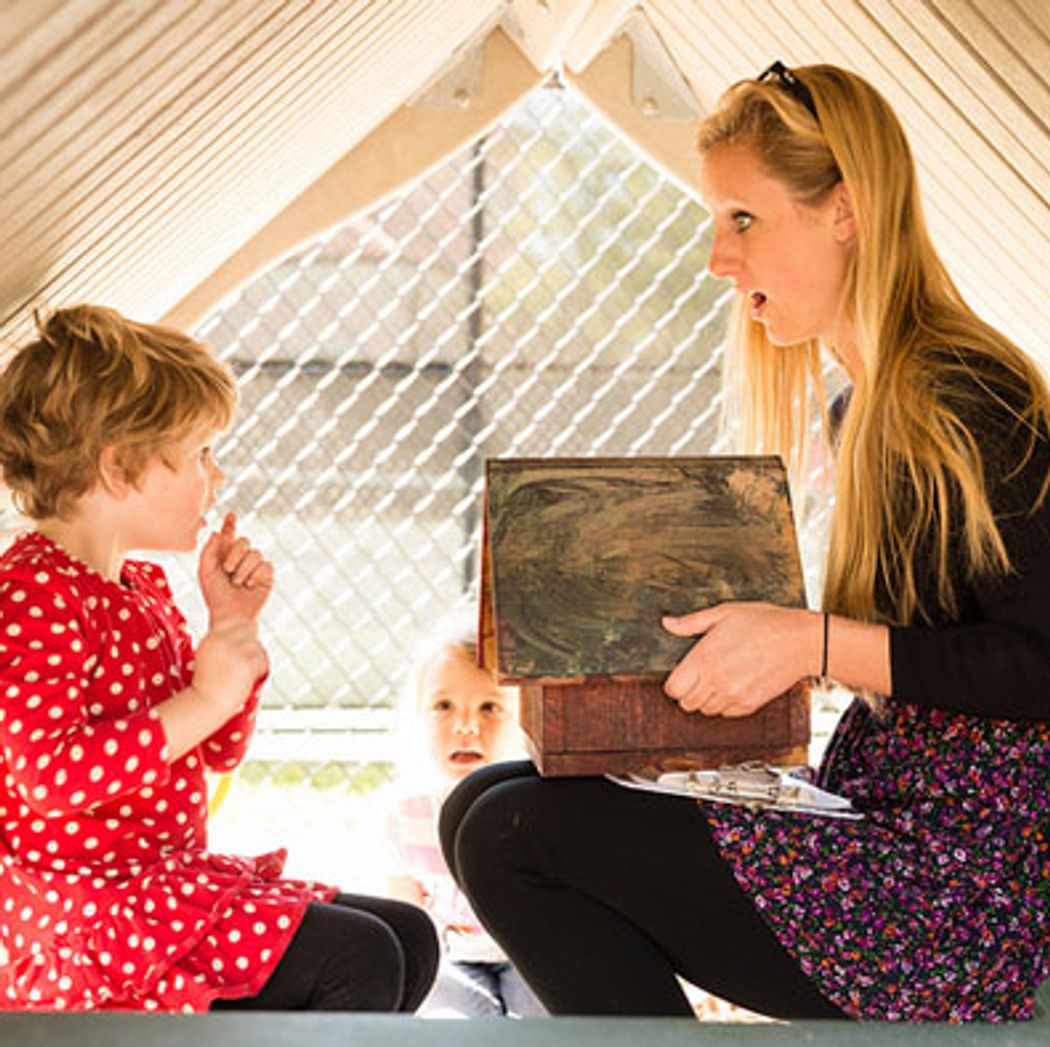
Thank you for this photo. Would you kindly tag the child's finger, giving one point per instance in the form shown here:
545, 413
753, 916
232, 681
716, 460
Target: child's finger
235, 554
229, 525
262, 577
246, 566
209, 557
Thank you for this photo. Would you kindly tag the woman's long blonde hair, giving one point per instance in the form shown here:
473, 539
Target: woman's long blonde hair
909, 465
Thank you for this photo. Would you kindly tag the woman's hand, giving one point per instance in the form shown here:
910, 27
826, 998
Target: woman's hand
235, 578
748, 654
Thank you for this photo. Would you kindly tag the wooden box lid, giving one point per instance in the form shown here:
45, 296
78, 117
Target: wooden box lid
582, 556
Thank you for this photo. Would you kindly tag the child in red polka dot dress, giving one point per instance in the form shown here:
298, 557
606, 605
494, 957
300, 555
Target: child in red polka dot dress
109, 717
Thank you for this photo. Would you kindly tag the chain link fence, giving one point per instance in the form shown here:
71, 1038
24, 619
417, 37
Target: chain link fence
543, 293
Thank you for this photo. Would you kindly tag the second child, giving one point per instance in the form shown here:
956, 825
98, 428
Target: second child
461, 720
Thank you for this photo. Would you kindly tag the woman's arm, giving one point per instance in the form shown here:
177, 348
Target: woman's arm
999, 665
994, 661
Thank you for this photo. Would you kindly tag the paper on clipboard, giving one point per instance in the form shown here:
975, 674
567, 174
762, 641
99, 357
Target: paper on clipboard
753, 784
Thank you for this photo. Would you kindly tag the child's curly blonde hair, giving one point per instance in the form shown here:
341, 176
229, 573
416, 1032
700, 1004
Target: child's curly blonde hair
93, 379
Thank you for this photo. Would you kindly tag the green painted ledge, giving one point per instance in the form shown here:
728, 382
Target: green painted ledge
345, 1030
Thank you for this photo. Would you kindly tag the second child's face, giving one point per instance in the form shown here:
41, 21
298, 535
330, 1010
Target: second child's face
175, 493
470, 720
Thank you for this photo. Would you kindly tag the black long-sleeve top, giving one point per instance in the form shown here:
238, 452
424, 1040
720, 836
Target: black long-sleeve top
992, 657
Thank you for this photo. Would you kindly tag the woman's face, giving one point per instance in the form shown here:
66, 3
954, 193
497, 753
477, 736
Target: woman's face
470, 720
787, 258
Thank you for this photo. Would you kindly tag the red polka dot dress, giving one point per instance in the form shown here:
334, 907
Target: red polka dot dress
108, 895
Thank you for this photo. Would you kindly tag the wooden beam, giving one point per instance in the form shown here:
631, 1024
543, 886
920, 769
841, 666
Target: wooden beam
410, 142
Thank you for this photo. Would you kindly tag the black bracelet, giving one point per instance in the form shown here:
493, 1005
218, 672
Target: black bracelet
824, 653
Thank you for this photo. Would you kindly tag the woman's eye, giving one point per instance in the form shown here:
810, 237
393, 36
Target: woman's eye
742, 220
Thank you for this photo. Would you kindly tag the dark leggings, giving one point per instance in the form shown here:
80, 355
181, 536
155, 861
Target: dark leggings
353, 954
601, 895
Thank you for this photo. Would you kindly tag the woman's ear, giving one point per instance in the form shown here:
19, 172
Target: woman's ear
111, 472
845, 223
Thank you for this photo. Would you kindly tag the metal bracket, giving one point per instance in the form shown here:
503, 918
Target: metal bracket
457, 87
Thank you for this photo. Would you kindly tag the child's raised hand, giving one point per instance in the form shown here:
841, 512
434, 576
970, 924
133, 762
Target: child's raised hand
235, 578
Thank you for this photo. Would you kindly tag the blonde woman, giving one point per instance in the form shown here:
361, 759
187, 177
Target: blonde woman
936, 613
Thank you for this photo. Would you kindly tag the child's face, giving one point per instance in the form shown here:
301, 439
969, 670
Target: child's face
175, 492
470, 720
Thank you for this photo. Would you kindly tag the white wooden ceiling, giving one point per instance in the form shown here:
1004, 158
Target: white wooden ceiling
143, 142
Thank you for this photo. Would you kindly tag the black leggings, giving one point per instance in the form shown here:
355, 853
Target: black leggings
353, 954
601, 895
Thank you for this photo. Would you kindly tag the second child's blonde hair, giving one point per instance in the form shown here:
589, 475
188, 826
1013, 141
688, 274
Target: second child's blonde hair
909, 460
93, 379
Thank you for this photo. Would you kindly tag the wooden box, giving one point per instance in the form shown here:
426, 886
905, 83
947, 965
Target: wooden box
581, 558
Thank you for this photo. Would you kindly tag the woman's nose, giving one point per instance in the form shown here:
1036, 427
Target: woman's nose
723, 261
